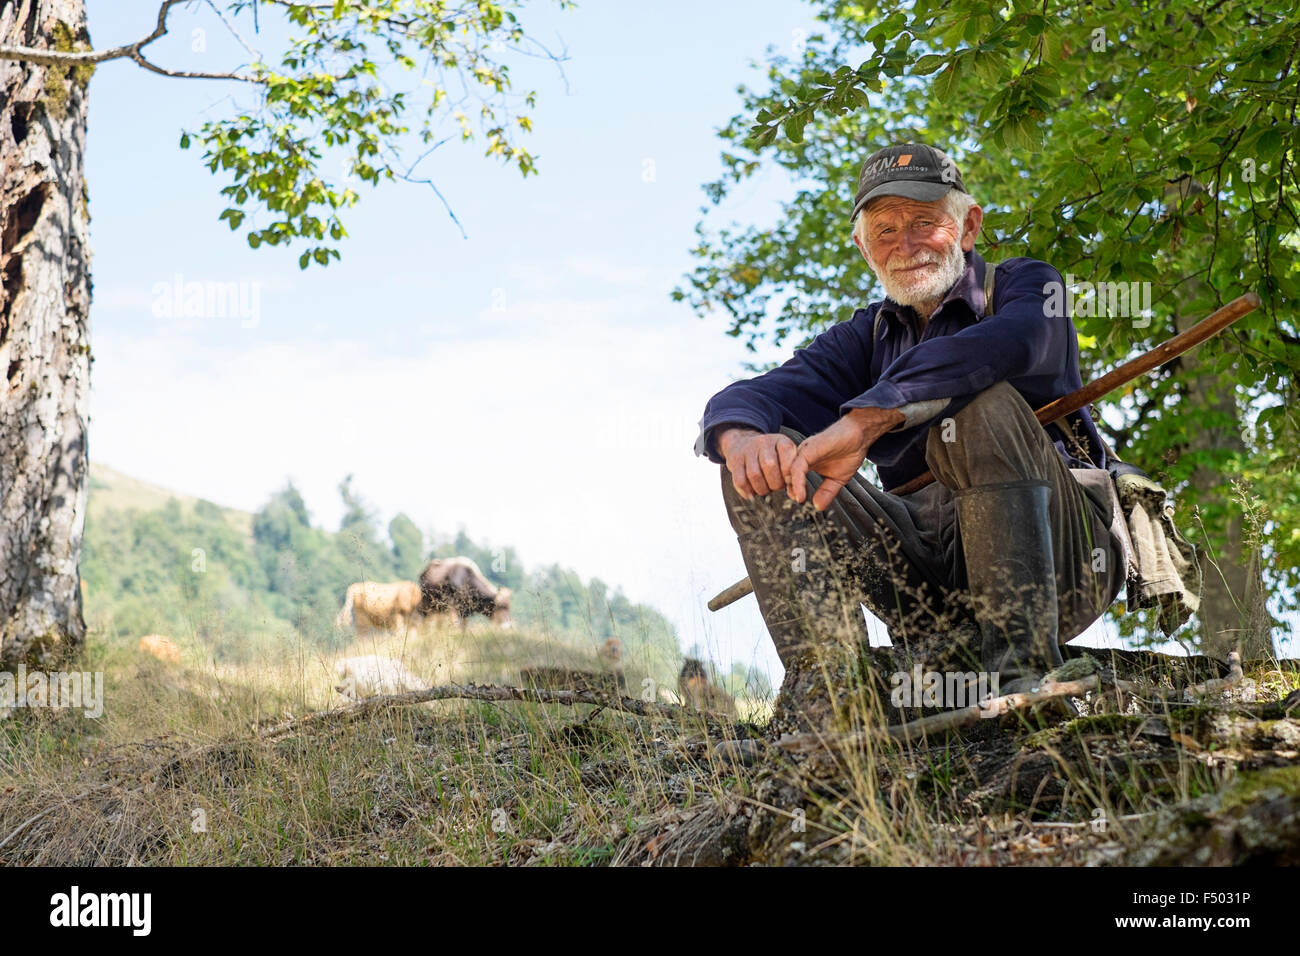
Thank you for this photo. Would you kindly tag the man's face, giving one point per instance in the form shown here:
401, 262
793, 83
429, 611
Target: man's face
915, 248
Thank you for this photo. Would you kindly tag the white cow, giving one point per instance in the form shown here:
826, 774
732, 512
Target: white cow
368, 676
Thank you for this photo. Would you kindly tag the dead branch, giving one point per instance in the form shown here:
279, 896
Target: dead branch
1218, 684
44, 813
1152, 694
948, 720
131, 51
997, 706
534, 695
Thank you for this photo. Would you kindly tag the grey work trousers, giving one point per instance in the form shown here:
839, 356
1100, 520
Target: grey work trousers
902, 556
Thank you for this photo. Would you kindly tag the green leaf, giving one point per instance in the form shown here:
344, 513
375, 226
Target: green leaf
946, 82
1270, 143
761, 139
988, 66
794, 127
928, 64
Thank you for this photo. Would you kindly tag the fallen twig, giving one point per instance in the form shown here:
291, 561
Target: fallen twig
1218, 684
1091, 823
1151, 693
948, 720
488, 692
30, 820
997, 706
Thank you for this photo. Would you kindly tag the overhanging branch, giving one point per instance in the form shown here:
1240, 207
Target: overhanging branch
131, 51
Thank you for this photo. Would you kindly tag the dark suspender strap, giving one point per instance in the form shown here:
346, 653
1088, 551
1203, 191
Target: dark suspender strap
990, 271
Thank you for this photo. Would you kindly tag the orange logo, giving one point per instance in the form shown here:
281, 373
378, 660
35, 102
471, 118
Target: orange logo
904, 159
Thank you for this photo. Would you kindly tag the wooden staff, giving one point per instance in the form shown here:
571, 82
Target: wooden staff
1211, 325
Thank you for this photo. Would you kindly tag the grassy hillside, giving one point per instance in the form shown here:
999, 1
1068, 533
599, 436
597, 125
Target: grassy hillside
422, 784
264, 763
241, 588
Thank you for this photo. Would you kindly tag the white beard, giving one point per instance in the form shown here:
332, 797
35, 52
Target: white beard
923, 286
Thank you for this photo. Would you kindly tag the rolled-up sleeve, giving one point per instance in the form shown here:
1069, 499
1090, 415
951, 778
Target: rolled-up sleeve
917, 413
805, 393
1023, 340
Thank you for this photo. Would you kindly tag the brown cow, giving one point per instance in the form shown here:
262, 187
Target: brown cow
457, 587
696, 691
373, 606
160, 647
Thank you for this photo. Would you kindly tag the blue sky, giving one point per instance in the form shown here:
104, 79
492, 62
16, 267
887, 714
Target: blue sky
532, 382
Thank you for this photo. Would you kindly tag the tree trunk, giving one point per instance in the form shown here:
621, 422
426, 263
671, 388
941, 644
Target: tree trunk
44, 335
1233, 611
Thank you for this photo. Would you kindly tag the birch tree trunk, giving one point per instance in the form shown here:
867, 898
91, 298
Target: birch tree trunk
44, 335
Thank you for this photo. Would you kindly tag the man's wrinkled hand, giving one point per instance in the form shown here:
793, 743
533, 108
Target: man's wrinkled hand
836, 453
759, 464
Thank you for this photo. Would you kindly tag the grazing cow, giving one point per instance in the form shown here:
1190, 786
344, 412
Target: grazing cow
160, 647
371, 605
457, 587
370, 675
696, 690
611, 659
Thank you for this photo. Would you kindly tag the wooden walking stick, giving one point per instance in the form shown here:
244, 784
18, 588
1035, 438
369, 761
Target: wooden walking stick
1211, 325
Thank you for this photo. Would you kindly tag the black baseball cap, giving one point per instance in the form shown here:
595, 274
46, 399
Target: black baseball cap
913, 170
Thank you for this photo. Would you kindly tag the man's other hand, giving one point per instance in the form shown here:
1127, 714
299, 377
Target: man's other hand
836, 453
759, 464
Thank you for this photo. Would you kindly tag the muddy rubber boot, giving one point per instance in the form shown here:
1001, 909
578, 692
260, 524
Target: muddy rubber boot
1006, 538
809, 600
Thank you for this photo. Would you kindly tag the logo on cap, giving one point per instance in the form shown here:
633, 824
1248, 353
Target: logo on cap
925, 174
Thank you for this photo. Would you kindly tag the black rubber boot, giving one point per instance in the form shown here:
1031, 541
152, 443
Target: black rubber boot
1006, 538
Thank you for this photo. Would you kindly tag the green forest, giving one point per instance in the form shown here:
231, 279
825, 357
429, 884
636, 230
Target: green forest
258, 589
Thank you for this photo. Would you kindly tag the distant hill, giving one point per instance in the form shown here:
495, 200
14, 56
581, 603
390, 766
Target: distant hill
111, 490
260, 586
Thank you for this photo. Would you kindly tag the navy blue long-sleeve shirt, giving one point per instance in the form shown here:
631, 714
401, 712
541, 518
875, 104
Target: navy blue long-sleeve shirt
1026, 339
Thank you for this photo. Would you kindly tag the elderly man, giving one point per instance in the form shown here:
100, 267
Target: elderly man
1010, 553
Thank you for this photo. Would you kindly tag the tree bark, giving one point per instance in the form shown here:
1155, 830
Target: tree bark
44, 334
